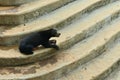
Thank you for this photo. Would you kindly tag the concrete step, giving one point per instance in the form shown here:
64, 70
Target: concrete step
98, 68
81, 29
115, 75
12, 35
13, 2
70, 59
29, 11
3, 8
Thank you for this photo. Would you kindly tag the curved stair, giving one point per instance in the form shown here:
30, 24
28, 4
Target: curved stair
106, 41
13, 2
29, 11
89, 42
115, 75
81, 28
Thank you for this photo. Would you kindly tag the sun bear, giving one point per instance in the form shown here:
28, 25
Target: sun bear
32, 41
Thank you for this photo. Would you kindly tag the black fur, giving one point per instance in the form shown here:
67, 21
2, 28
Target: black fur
28, 43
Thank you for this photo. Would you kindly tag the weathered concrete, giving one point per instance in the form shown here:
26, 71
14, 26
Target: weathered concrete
13, 2
75, 56
90, 32
115, 75
82, 29
98, 68
29, 11
54, 19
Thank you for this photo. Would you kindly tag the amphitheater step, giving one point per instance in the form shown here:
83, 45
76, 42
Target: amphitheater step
3, 8
98, 68
13, 2
75, 56
29, 11
12, 35
81, 29
115, 75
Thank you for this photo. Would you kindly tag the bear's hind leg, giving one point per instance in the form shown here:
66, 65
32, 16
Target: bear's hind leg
28, 50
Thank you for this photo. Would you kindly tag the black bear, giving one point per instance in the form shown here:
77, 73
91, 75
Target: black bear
28, 43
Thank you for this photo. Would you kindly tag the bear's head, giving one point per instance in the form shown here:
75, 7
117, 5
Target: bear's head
54, 33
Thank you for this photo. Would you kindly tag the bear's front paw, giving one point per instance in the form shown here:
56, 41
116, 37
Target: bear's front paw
56, 47
53, 42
